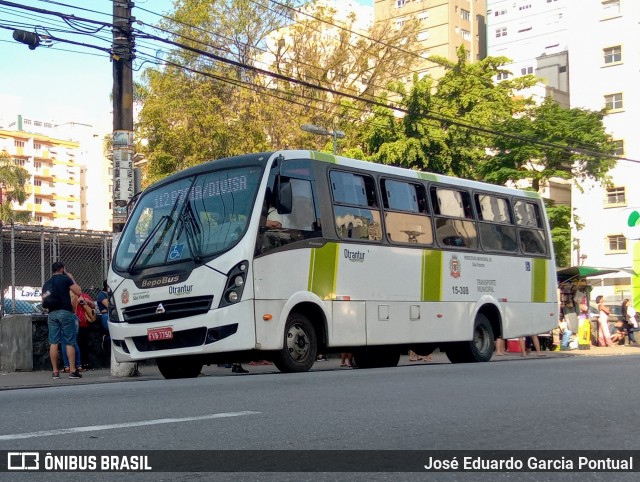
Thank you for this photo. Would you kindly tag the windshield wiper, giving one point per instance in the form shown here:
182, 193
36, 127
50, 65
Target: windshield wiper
191, 228
136, 257
168, 219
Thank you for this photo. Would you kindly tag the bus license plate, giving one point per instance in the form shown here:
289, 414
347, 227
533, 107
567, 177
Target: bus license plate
164, 333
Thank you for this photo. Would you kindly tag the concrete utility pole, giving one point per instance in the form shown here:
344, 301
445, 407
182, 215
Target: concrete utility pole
122, 141
123, 55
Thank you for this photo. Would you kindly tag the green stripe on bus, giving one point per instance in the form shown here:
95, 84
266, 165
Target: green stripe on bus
323, 267
427, 176
431, 289
531, 194
539, 280
324, 156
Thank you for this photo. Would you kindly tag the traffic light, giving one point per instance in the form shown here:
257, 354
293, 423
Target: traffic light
30, 38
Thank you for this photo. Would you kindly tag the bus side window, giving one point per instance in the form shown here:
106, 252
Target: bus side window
530, 242
497, 232
455, 227
530, 232
355, 206
405, 204
303, 213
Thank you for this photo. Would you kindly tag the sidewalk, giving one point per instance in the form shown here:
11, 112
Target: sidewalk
40, 379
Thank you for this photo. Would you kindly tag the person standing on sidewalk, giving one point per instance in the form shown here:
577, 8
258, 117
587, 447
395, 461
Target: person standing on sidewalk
630, 322
62, 318
604, 335
86, 315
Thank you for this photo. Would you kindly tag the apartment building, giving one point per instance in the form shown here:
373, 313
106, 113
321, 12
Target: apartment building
534, 35
61, 172
444, 26
587, 55
605, 73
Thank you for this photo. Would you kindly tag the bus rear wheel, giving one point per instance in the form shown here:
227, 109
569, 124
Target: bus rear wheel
479, 349
300, 346
179, 367
376, 358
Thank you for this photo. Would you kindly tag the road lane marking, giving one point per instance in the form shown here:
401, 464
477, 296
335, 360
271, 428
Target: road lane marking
95, 428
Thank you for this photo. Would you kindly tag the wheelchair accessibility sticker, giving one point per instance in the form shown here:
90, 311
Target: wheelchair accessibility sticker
176, 251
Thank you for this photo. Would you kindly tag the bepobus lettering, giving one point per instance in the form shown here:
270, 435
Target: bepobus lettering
165, 280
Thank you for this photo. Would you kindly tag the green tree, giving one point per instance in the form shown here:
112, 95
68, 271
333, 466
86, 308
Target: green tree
188, 117
13, 179
560, 219
433, 134
194, 109
550, 141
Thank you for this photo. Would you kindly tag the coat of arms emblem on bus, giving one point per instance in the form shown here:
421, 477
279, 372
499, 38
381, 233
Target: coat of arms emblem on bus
454, 267
125, 297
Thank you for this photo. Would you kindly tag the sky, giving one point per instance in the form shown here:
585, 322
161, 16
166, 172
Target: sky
64, 82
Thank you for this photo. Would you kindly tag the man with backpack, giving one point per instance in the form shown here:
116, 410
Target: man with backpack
62, 318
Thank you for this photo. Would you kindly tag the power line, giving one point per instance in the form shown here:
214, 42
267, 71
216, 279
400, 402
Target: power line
300, 12
333, 92
438, 118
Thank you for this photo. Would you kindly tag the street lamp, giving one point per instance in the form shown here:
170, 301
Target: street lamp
321, 131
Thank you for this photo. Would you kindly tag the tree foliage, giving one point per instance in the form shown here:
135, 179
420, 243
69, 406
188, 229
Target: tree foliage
550, 141
212, 110
13, 179
560, 219
434, 133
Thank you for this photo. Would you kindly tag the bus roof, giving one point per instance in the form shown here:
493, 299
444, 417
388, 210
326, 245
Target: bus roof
261, 158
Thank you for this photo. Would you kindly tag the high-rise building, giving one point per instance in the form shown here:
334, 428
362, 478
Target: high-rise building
535, 36
444, 26
587, 56
63, 162
605, 73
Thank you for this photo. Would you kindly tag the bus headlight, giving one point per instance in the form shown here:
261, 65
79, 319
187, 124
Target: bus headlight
236, 279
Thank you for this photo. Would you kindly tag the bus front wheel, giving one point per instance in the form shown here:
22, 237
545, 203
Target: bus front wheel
479, 349
300, 346
179, 367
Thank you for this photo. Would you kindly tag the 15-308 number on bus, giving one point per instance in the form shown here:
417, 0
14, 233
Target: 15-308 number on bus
460, 290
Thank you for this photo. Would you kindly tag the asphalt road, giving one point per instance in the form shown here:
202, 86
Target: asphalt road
559, 404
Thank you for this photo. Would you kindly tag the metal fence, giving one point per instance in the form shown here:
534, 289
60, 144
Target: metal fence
27, 253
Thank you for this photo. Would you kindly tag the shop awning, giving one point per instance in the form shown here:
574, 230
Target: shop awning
565, 274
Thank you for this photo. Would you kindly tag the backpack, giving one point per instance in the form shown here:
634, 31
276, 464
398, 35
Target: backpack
50, 300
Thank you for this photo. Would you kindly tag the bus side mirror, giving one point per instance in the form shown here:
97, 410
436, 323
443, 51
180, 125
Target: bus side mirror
285, 199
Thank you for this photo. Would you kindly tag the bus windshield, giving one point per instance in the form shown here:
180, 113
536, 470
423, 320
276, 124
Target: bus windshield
189, 219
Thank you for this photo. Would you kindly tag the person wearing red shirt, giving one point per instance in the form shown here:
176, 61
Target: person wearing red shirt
83, 326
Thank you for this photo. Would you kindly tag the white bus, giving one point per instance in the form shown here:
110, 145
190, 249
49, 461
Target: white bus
371, 259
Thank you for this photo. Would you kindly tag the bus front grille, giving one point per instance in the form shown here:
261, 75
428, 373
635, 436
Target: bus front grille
168, 310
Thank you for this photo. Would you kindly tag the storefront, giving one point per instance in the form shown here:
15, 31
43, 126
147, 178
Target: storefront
574, 291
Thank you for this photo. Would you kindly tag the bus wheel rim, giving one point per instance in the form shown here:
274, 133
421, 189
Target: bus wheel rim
481, 340
297, 343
